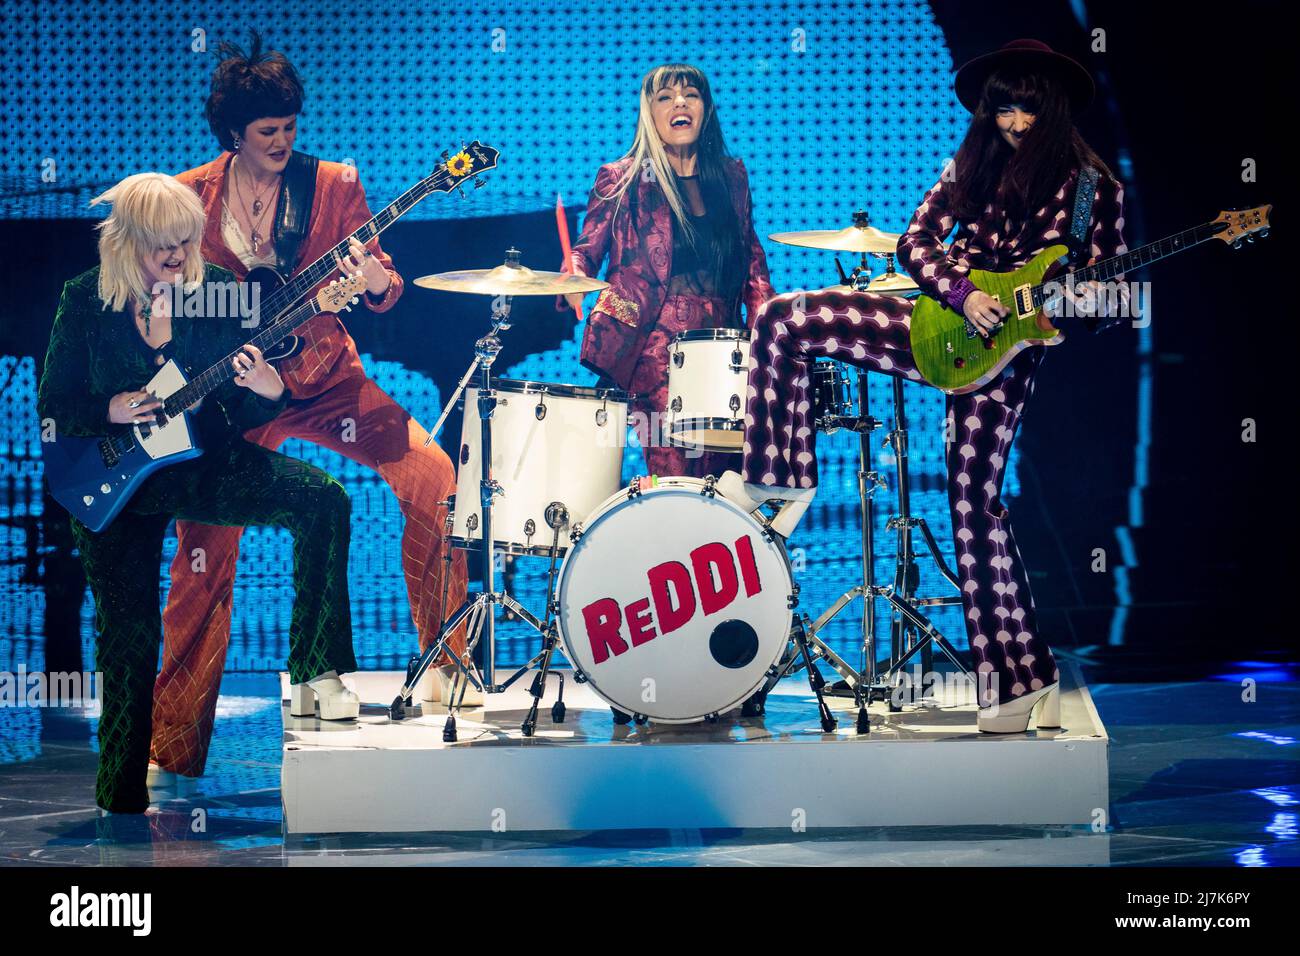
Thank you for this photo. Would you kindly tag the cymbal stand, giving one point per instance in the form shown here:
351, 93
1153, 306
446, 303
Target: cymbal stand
478, 609
911, 632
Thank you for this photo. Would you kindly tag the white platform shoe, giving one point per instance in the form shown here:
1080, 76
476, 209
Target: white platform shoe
751, 497
336, 701
159, 778
1013, 716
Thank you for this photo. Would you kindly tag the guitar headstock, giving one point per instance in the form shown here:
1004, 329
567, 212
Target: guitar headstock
463, 164
341, 294
1239, 224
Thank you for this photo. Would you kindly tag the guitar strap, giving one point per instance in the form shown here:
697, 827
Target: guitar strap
297, 191
1084, 191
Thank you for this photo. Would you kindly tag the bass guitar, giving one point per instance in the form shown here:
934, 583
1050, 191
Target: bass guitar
278, 293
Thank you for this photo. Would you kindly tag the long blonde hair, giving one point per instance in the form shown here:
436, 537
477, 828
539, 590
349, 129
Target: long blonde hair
151, 211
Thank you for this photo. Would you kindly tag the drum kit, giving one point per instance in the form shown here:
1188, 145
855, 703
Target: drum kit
670, 601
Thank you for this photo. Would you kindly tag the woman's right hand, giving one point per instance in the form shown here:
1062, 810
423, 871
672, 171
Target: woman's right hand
984, 311
575, 298
120, 411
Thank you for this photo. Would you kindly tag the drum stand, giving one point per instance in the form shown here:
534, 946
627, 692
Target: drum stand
479, 609
911, 632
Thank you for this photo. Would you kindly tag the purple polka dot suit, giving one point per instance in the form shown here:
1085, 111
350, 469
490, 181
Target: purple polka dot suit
872, 332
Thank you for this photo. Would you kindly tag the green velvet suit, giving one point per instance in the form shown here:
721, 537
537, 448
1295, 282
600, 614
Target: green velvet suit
94, 354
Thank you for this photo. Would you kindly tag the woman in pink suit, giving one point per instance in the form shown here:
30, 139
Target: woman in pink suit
673, 219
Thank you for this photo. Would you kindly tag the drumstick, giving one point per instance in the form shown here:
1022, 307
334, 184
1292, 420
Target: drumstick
562, 224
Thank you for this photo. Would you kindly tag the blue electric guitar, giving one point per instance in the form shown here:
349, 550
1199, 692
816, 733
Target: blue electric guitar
94, 478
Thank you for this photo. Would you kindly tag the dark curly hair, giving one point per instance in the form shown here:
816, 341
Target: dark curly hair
248, 86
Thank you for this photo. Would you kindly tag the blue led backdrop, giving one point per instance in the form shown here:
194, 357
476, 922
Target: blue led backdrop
832, 106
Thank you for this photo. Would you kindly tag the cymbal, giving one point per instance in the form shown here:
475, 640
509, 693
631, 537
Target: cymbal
851, 239
892, 283
510, 280
859, 237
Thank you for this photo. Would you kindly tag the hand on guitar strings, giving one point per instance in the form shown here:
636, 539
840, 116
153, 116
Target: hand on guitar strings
133, 408
360, 259
984, 312
253, 371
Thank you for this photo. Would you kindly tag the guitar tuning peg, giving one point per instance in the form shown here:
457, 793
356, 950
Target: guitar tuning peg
445, 155
462, 194
479, 183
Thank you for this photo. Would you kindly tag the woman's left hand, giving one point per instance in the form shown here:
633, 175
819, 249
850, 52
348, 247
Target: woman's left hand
253, 371
360, 259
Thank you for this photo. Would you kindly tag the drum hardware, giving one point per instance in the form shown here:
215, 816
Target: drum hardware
557, 516
478, 611
911, 632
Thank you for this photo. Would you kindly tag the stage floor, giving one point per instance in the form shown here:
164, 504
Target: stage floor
1197, 777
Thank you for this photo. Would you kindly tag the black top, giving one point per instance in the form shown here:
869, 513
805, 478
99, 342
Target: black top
691, 274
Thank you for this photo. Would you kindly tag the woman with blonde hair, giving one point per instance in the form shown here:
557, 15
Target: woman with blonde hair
673, 217
116, 324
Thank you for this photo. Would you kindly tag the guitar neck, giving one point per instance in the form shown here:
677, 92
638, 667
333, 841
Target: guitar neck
198, 387
1107, 269
324, 266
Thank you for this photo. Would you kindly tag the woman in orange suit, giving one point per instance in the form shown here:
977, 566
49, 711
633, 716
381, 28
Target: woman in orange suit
254, 206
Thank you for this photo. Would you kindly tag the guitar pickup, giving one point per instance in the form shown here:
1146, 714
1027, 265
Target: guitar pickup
1024, 300
107, 453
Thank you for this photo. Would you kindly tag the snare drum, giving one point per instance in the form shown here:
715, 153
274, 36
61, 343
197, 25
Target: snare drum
549, 443
708, 372
673, 602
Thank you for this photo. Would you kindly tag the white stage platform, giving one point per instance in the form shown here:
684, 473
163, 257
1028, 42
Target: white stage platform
923, 766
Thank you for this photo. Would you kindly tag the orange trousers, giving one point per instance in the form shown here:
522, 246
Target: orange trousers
359, 420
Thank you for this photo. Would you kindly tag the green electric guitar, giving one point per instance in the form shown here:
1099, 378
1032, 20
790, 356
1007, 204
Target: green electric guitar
952, 356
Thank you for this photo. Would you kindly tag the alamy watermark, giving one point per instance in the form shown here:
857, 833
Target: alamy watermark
214, 300
24, 688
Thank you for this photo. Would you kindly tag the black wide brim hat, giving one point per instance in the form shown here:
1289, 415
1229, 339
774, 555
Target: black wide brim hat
1028, 56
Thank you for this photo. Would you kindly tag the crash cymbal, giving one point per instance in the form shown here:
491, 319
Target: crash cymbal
510, 280
859, 237
892, 283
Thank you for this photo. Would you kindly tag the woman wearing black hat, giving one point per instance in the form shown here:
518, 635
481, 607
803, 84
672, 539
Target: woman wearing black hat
1009, 194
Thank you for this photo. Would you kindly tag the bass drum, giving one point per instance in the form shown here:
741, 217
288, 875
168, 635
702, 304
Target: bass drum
673, 602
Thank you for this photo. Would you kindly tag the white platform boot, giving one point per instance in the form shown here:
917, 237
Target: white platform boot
160, 779
336, 701
1013, 716
751, 497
